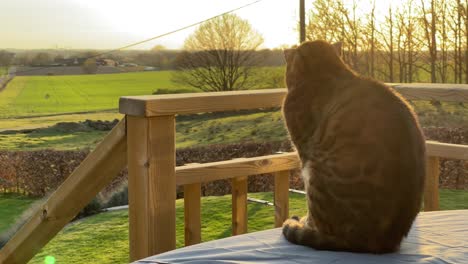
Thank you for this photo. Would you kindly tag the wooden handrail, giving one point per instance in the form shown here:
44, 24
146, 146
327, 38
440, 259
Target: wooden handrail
213, 171
446, 150
432, 91
86, 181
220, 170
158, 105
171, 104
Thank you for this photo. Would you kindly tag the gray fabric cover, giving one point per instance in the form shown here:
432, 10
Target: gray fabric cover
436, 237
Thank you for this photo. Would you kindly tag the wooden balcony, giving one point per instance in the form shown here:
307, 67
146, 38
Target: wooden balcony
145, 141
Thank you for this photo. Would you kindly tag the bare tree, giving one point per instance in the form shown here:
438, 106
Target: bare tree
408, 42
465, 15
351, 32
386, 36
6, 58
456, 27
429, 18
324, 22
412, 36
219, 55
441, 23
90, 66
370, 43
41, 59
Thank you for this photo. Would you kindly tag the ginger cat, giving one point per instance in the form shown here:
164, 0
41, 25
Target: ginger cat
362, 153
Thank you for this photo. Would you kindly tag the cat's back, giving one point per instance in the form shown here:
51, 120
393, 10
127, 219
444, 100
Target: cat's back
386, 106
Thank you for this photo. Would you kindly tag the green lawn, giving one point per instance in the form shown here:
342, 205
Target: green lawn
43, 95
103, 238
194, 130
11, 207
48, 95
3, 70
41, 101
51, 139
46, 121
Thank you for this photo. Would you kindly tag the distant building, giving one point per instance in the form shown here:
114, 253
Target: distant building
106, 62
70, 62
128, 65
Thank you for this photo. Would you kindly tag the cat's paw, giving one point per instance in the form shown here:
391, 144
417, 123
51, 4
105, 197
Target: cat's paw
295, 217
290, 226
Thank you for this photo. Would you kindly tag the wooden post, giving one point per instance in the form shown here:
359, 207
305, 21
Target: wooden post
151, 185
431, 192
239, 205
192, 216
281, 194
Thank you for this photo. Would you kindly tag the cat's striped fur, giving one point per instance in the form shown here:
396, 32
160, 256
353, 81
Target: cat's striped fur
362, 152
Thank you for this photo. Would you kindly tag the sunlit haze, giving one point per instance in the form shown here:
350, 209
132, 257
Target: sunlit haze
107, 24
104, 24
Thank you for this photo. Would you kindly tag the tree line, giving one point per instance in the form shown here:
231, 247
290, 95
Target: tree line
415, 41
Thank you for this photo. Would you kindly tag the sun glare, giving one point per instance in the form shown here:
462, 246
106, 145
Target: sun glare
103, 24
274, 19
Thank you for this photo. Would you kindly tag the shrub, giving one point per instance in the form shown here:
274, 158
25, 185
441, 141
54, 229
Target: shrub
174, 91
94, 207
118, 198
37, 173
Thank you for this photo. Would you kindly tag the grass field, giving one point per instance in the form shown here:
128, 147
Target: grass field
46, 121
43, 95
103, 238
46, 95
3, 71
11, 207
195, 130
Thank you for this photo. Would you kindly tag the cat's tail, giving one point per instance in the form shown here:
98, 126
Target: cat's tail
298, 233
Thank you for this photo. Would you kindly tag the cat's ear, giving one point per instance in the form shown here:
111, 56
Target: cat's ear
289, 53
338, 46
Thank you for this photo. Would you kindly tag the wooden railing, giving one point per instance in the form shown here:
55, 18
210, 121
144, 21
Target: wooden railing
145, 141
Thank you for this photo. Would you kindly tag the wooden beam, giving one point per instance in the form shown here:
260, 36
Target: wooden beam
431, 192
212, 171
445, 150
156, 105
433, 91
239, 205
281, 194
236, 168
93, 174
172, 104
192, 216
151, 185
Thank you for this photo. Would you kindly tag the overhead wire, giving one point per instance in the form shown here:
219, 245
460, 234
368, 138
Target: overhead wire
152, 38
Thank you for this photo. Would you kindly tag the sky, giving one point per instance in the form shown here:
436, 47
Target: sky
108, 24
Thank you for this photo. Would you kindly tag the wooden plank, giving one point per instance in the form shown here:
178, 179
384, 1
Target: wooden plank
93, 174
151, 185
192, 216
431, 192
156, 105
281, 194
239, 205
433, 91
445, 150
206, 172
235, 168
